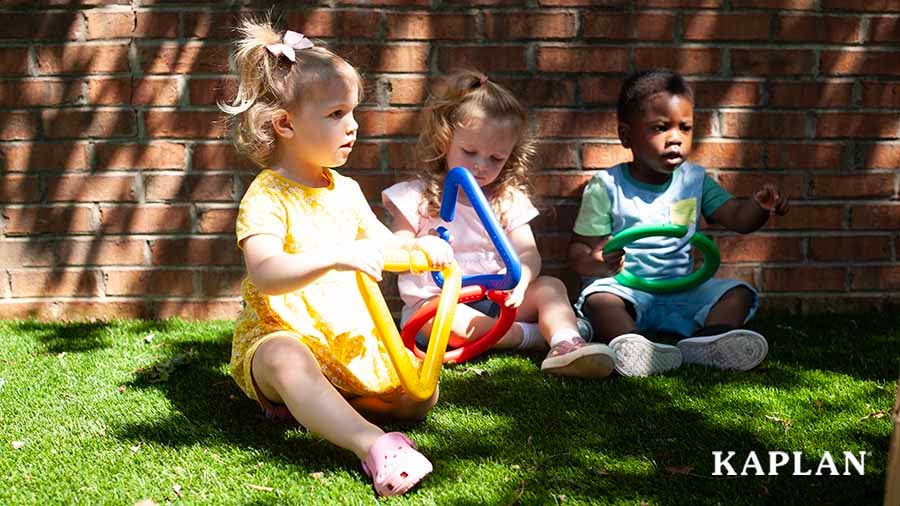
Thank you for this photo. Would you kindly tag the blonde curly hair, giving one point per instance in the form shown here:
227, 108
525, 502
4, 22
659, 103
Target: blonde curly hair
271, 83
464, 94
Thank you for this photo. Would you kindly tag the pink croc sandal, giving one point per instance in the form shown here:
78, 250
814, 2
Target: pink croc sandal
396, 464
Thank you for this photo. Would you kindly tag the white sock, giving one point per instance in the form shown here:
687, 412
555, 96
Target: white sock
563, 335
531, 336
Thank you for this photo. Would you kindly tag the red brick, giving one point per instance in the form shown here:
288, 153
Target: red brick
884, 29
805, 156
742, 184
727, 94
406, 90
206, 310
560, 185
559, 217
763, 124
388, 2
804, 279
220, 283
149, 91
678, 3
189, 188
12, 62
42, 92
856, 5
814, 217
222, 25
607, 25
365, 155
865, 63
183, 59
184, 124
387, 123
556, 155
203, 91
56, 283
582, 59
216, 220
716, 155
484, 58
884, 277
572, 3
601, 156
47, 220
145, 219
90, 188
853, 186
37, 156
335, 22
776, 4
853, 248
541, 92
372, 185
402, 156
759, 248
759, 62
849, 124
810, 95
156, 155
871, 217
396, 57
880, 94
60, 123
17, 125
18, 188
219, 157
682, 60
726, 27
25, 253
881, 156
806, 28
749, 275
522, 25
82, 58
155, 282
117, 251
599, 90
42, 25
430, 26
194, 252
567, 123
125, 24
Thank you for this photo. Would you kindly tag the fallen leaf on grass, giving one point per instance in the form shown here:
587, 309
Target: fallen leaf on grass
179, 469
774, 419
148, 338
177, 489
679, 469
145, 502
875, 414
318, 475
259, 487
819, 403
136, 448
17, 444
122, 389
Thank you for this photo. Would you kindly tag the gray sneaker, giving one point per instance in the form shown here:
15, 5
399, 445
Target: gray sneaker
585, 330
738, 349
638, 356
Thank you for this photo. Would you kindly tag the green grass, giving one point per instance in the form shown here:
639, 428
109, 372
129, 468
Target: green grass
108, 417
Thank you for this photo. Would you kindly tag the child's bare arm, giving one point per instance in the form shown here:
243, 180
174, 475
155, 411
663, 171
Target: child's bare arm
587, 259
748, 215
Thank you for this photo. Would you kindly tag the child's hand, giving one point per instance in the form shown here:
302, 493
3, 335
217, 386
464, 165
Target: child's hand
769, 198
364, 255
438, 251
516, 295
614, 261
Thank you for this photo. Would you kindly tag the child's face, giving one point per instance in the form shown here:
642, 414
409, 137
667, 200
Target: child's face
483, 146
324, 129
660, 135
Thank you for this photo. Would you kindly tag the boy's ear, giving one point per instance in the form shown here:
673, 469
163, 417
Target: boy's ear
282, 125
624, 135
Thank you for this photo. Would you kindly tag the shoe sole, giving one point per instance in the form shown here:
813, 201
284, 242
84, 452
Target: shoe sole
739, 350
588, 362
638, 356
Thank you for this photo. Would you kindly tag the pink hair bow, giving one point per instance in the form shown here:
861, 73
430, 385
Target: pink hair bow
291, 41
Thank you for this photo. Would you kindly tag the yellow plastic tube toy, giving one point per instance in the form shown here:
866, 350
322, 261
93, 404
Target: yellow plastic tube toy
420, 385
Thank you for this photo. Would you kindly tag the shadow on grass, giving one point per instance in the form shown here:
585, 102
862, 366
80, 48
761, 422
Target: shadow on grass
82, 337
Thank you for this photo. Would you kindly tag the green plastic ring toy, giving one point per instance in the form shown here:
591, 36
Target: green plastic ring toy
703, 243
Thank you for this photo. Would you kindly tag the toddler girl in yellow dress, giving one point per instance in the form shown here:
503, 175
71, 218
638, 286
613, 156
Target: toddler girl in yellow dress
305, 342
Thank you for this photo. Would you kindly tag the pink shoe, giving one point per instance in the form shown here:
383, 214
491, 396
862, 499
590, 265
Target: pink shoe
397, 465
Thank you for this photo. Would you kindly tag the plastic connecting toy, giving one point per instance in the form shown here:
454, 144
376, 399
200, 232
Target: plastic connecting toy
420, 385
703, 243
476, 287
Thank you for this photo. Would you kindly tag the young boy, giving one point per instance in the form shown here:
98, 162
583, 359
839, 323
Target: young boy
656, 118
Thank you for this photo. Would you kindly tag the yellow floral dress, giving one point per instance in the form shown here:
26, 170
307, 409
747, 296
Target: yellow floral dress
328, 315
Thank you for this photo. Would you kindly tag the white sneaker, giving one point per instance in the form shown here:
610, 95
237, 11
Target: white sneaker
638, 356
738, 349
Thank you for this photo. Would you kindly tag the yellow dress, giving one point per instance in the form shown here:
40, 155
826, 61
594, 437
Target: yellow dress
329, 314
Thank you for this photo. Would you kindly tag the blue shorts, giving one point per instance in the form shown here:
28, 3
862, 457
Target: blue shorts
680, 313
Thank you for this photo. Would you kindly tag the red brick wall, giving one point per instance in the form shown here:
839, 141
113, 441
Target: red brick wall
118, 189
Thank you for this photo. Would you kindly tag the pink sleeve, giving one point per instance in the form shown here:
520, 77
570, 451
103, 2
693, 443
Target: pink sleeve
521, 212
405, 197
